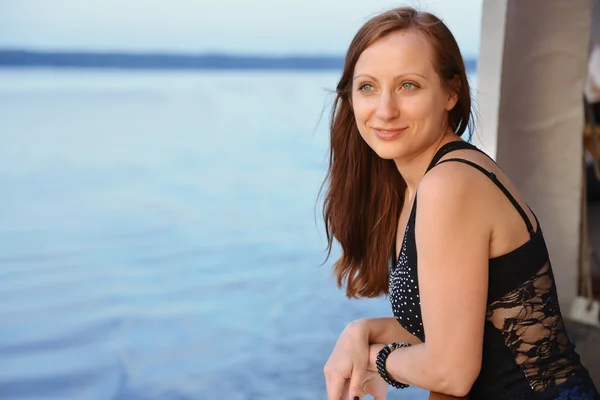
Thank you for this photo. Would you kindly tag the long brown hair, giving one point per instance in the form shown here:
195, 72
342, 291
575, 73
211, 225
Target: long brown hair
365, 193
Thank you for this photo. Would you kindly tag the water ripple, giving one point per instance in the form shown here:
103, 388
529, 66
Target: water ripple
153, 250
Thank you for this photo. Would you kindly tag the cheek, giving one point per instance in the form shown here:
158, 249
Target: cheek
362, 112
416, 109
423, 108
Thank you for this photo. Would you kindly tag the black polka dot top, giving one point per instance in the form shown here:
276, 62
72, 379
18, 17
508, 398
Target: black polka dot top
526, 350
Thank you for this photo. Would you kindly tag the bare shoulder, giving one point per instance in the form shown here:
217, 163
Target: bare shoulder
453, 181
456, 178
459, 196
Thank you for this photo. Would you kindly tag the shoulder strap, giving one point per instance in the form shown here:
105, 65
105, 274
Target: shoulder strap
503, 188
449, 147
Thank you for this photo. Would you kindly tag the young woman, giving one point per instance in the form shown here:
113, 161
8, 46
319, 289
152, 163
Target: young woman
470, 283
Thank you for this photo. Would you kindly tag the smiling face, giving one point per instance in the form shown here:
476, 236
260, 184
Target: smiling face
399, 101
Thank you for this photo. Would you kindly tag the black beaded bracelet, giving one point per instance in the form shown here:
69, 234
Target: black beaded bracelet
382, 358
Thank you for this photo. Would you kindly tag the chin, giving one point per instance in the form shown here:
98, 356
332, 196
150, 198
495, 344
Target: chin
387, 151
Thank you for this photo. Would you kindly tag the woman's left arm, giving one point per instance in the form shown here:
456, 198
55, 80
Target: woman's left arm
453, 231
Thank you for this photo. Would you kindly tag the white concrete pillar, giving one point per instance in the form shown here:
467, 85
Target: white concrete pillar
489, 75
531, 73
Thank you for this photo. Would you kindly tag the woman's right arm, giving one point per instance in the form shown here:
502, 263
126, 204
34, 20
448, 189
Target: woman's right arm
384, 330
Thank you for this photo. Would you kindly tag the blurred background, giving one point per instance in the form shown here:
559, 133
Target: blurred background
160, 233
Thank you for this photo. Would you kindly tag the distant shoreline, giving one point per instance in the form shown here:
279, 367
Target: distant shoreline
166, 61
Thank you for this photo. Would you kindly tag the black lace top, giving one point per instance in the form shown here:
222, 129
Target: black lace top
526, 351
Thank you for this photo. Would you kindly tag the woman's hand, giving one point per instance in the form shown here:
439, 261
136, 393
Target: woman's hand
348, 361
375, 386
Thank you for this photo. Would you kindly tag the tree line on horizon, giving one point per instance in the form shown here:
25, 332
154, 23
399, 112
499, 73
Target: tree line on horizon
121, 60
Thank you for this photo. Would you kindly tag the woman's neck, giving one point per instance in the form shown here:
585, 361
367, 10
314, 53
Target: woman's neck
412, 169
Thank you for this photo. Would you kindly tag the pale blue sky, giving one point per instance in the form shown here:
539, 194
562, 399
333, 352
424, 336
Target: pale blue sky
241, 26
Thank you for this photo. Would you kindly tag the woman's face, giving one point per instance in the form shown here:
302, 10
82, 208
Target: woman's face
399, 102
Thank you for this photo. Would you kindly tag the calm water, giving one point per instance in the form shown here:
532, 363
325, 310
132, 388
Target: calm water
159, 239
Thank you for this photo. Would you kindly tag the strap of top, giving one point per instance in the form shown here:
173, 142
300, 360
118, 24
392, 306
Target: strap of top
448, 147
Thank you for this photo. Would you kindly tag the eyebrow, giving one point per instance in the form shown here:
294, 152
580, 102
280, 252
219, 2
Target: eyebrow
395, 78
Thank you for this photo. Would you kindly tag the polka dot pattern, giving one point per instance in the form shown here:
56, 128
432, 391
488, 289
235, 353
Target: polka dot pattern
404, 286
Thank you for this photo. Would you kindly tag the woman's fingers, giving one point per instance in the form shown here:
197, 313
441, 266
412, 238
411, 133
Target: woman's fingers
376, 387
357, 381
345, 391
335, 384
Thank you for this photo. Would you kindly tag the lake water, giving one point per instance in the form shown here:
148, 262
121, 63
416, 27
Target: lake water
160, 236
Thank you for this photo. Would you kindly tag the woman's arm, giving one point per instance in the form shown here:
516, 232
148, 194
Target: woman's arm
439, 392
384, 330
453, 231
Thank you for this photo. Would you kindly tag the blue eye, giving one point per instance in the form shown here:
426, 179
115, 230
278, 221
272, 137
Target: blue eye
408, 86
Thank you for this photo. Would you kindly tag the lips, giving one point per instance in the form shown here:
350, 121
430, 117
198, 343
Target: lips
388, 134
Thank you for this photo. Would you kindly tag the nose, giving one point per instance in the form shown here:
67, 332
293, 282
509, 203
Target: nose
387, 108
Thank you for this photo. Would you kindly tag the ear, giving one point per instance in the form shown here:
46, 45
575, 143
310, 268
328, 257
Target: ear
453, 86
452, 100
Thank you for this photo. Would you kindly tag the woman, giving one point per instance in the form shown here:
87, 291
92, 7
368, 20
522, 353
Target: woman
478, 313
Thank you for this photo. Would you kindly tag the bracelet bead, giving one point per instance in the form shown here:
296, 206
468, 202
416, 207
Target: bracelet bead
380, 363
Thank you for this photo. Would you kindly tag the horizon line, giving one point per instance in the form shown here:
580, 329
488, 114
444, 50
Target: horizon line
236, 53
171, 60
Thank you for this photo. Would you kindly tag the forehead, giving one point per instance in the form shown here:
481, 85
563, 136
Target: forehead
402, 51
